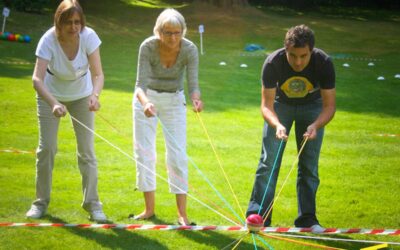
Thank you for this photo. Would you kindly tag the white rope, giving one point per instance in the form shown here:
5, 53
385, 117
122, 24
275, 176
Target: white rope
333, 239
148, 169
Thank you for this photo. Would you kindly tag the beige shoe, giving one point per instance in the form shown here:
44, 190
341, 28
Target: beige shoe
98, 216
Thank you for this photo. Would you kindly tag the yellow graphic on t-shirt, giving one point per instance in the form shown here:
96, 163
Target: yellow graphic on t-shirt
296, 87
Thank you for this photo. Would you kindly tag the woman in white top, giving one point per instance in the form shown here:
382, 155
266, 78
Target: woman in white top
163, 60
68, 77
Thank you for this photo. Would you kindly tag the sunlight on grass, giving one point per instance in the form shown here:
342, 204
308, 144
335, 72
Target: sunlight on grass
156, 4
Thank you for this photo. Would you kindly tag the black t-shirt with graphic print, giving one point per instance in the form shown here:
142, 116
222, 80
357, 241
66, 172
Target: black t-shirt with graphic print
298, 87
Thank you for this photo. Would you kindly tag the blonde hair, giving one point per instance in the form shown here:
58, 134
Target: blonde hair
169, 16
64, 11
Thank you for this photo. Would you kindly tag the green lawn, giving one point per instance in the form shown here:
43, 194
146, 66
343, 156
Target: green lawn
359, 168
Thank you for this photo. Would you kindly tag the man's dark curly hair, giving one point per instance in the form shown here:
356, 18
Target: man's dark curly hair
299, 37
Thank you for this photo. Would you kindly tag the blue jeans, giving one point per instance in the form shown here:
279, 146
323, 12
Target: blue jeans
307, 174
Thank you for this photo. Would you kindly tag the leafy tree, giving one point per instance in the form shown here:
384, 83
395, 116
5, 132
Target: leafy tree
227, 3
27, 5
306, 4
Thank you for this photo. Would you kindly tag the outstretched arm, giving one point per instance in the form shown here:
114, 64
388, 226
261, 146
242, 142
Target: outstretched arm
96, 71
39, 72
268, 112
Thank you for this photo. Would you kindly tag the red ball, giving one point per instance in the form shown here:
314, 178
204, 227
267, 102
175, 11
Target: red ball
254, 222
254, 219
11, 37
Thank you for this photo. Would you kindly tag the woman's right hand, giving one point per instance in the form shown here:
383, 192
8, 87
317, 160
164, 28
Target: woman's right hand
149, 109
59, 110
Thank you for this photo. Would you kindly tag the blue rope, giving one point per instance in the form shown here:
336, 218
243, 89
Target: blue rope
265, 243
254, 242
270, 177
201, 173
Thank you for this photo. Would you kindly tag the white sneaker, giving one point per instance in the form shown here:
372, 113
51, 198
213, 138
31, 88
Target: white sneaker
34, 213
317, 229
98, 216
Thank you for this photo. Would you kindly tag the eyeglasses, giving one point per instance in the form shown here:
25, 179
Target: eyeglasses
73, 22
169, 33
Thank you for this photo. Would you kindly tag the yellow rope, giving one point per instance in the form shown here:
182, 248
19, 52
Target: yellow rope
220, 164
237, 244
380, 246
266, 214
237, 241
299, 242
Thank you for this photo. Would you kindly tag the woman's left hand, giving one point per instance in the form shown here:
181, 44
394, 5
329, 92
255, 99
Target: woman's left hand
197, 105
94, 104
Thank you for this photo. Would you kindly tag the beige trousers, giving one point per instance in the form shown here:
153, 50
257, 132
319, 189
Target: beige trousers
47, 149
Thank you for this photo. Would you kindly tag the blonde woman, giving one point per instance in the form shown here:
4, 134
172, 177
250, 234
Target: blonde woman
163, 61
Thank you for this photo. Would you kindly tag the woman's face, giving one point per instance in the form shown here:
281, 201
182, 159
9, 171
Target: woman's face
71, 27
171, 36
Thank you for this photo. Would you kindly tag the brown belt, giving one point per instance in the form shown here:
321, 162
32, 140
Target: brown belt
165, 91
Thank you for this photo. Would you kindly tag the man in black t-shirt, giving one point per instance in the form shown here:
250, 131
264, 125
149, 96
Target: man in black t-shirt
298, 86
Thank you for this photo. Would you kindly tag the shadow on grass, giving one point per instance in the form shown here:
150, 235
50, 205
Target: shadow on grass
210, 238
16, 71
336, 241
122, 239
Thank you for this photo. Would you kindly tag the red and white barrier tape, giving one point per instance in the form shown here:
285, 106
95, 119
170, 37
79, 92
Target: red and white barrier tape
127, 226
332, 230
207, 228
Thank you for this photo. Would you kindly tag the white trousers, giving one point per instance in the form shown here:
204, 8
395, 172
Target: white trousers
171, 111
